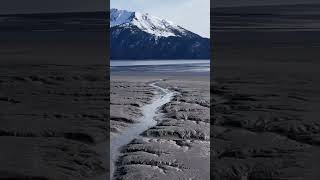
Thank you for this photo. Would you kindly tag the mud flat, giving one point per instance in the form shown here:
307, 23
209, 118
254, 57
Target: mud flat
265, 105
149, 112
53, 122
53, 97
266, 121
127, 99
178, 146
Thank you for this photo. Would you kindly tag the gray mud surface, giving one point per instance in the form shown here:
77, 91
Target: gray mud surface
266, 122
178, 147
127, 98
53, 97
265, 94
53, 122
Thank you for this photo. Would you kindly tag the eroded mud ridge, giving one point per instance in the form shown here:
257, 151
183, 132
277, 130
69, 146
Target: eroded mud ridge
266, 123
60, 129
178, 147
127, 98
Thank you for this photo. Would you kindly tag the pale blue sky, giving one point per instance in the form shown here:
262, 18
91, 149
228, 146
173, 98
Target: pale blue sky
193, 15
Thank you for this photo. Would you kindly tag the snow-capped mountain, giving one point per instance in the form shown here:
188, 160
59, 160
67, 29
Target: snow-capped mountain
141, 36
147, 23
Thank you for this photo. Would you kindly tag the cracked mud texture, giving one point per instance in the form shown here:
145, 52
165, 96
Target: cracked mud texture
178, 147
53, 122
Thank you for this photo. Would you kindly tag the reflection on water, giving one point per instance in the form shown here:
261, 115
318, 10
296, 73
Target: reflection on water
160, 65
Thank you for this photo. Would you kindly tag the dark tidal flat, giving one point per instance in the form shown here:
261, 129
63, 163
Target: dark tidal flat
53, 122
265, 100
53, 98
178, 145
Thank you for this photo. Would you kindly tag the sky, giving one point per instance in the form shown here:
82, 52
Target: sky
193, 15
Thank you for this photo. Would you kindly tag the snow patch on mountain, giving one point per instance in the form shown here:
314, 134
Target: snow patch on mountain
118, 17
147, 23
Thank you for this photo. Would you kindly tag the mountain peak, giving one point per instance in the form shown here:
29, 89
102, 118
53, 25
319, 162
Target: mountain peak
135, 35
118, 17
147, 23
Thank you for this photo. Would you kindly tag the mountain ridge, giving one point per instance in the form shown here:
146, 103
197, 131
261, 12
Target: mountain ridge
135, 35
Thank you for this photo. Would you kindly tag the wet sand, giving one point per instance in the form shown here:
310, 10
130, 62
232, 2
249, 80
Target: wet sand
179, 145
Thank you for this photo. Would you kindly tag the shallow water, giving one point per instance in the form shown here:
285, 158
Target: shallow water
147, 121
160, 65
